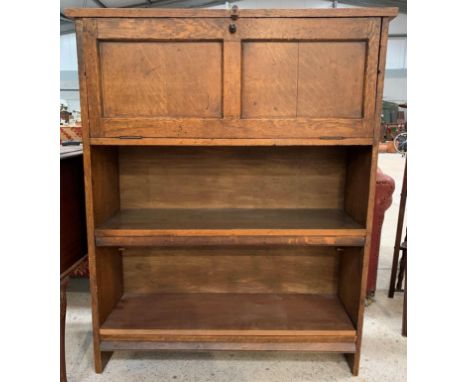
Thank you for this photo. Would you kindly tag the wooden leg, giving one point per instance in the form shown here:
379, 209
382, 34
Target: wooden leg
396, 250
401, 272
63, 314
403, 330
100, 360
353, 363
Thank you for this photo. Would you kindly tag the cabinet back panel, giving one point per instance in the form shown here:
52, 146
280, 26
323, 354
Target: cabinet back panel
232, 177
161, 79
228, 270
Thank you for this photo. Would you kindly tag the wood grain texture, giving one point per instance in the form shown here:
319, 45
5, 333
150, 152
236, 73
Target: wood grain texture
82, 37
342, 238
91, 74
228, 313
196, 29
229, 142
306, 29
383, 42
241, 177
106, 190
354, 359
141, 12
269, 79
333, 346
298, 176
161, 79
108, 280
349, 285
164, 29
331, 77
242, 336
232, 221
270, 128
228, 270
357, 183
372, 68
232, 61
107, 265
148, 76
307, 79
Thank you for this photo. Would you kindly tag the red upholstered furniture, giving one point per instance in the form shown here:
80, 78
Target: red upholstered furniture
383, 200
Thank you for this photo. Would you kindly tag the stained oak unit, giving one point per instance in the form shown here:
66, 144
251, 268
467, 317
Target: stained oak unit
229, 175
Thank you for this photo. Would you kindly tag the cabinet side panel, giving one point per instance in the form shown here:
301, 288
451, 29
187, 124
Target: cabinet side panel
85, 32
101, 192
108, 280
106, 188
228, 270
349, 285
106, 201
358, 173
354, 359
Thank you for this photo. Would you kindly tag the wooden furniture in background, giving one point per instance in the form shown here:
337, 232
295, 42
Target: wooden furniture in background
404, 248
71, 133
397, 247
385, 185
230, 165
73, 241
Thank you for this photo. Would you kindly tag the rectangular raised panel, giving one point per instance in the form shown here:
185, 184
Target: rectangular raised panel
303, 79
161, 79
331, 79
269, 79
228, 270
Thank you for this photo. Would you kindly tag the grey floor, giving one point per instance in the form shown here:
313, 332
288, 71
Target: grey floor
383, 353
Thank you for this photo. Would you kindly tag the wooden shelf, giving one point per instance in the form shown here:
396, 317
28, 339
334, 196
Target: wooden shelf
230, 226
217, 317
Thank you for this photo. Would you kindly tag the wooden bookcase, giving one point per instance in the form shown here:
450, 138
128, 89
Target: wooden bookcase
229, 174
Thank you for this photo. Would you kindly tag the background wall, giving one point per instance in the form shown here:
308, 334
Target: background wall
395, 74
69, 87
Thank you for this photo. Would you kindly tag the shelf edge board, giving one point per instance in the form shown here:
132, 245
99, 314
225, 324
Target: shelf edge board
194, 334
338, 347
148, 141
355, 232
110, 241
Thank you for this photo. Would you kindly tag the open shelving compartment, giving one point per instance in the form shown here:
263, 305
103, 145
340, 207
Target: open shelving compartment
229, 248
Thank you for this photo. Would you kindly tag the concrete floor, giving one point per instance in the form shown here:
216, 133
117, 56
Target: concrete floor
383, 352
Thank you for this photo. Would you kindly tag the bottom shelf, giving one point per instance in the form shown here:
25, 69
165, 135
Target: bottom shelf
297, 322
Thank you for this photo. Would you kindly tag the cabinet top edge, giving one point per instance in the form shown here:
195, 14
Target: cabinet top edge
253, 13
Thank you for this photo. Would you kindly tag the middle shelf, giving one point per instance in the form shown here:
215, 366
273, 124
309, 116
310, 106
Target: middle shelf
241, 226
